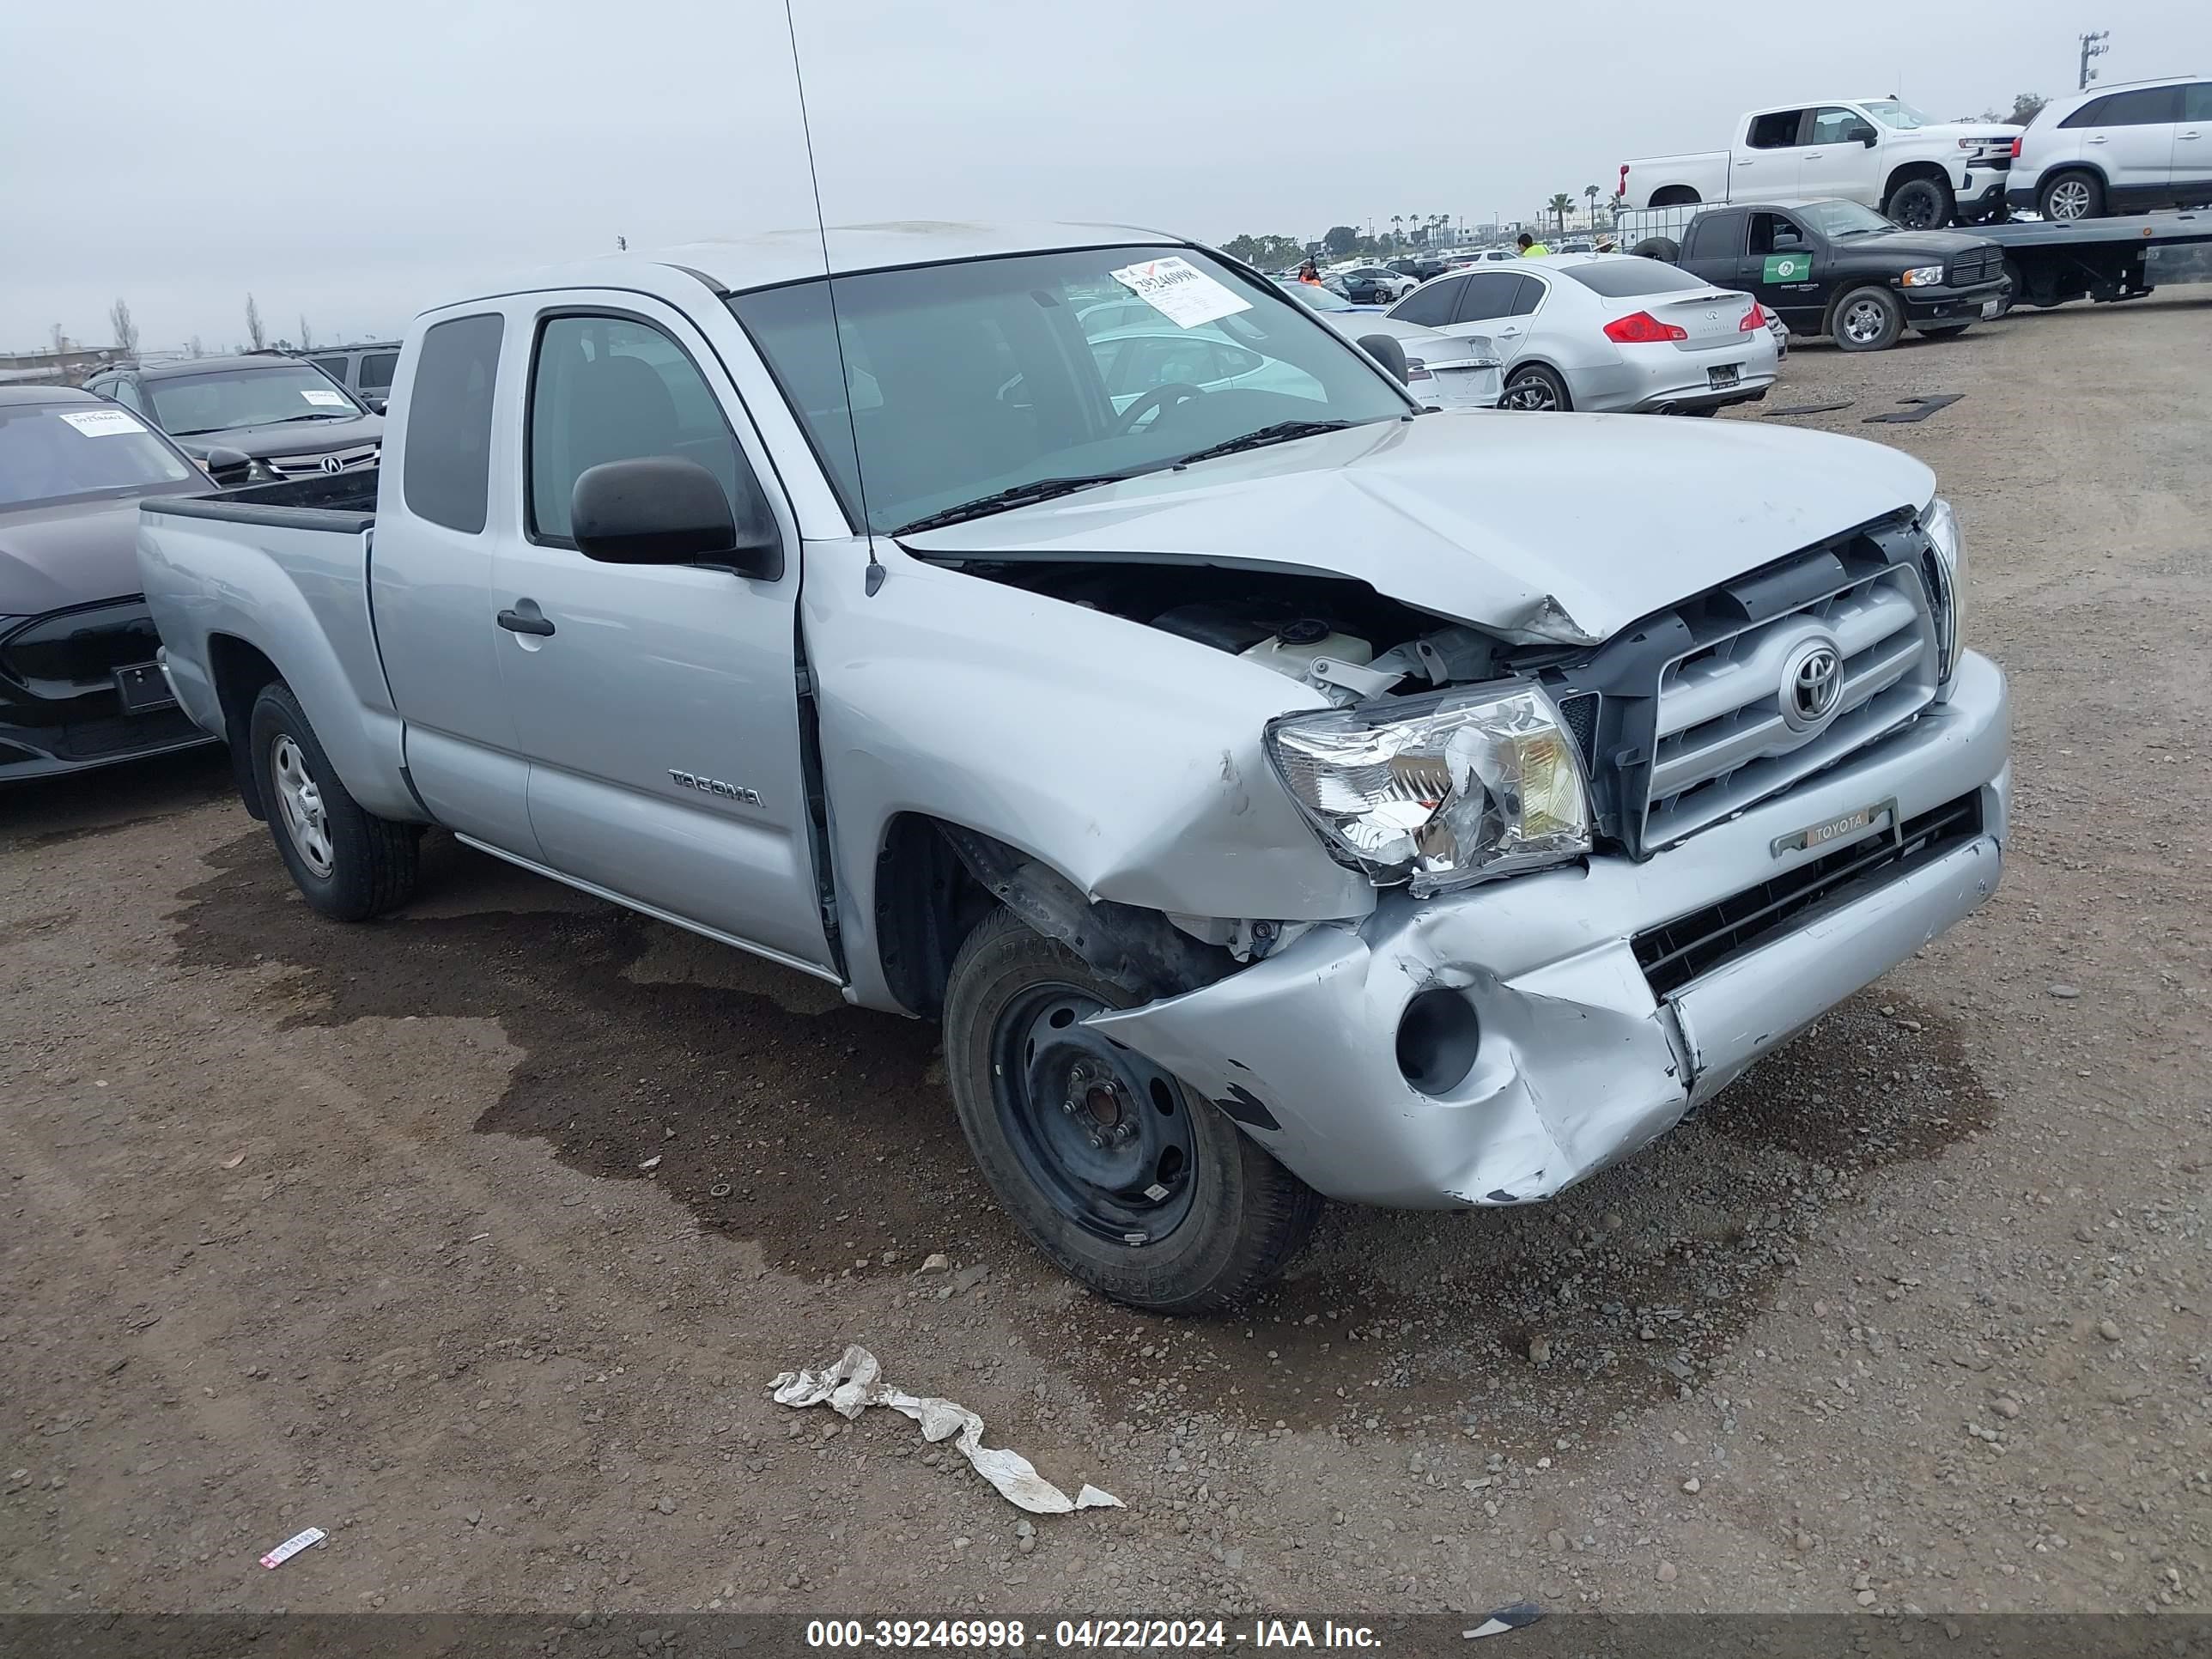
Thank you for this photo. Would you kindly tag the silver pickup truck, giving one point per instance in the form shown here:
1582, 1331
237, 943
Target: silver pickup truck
1278, 791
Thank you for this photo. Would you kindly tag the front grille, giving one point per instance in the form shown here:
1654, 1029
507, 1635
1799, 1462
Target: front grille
69, 649
1982, 264
1673, 955
295, 466
1724, 739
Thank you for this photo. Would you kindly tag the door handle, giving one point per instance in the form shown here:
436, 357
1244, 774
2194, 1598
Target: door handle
2184, 135
2095, 138
515, 623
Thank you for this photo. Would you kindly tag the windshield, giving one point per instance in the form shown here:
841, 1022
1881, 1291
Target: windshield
963, 380
1893, 113
226, 398
66, 451
1842, 218
1316, 299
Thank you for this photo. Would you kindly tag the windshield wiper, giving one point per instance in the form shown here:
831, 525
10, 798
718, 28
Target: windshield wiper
1281, 433
287, 419
1037, 489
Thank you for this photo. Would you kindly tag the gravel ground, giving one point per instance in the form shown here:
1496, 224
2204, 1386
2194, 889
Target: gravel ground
362, 1228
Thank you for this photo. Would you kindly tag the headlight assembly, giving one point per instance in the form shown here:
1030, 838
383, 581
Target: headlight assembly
1442, 790
1941, 524
1923, 277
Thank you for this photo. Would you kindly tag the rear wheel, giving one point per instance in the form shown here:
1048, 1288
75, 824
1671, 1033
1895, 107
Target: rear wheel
2072, 196
1867, 319
347, 862
1129, 1183
1535, 387
1921, 204
1664, 249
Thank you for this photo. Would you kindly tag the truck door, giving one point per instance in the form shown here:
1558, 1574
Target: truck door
1834, 158
1781, 269
429, 580
658, 704
1769, 158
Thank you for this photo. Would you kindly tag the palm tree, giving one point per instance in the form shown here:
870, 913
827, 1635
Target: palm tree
1558, 207
1591, 191
1396, 220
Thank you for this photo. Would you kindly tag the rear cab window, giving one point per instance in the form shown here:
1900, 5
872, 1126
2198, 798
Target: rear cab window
446, 464
1776, 129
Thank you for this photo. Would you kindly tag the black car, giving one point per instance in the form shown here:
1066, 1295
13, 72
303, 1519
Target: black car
1836, 268
1419, 267
252, 419
79, 686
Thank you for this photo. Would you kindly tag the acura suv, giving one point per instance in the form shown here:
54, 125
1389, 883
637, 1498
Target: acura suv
250, 419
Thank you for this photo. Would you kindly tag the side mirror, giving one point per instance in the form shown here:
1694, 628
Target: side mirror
376, 406
665, 509
1868, 136
1385, 350
221, 459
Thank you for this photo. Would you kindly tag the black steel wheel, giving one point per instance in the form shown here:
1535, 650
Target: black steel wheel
1921, 204
1127, 1180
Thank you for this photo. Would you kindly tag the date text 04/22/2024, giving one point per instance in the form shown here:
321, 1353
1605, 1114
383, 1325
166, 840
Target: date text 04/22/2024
1004, 1635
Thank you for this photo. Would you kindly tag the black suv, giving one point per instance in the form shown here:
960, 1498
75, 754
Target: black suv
250, 419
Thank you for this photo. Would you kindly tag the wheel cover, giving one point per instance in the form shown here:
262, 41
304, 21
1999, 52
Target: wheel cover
300, 806
1531, 391
1102, 1134
1918, 212
2069, 199
1863, 321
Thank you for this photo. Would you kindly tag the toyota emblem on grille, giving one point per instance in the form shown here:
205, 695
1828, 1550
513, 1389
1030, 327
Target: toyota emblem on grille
1812, 685
333, 464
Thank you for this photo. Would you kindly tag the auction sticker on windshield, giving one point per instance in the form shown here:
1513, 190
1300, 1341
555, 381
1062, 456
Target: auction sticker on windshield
101, 422
1180, 291
317, 395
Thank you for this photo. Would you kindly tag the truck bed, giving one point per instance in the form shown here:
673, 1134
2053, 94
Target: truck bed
338, 501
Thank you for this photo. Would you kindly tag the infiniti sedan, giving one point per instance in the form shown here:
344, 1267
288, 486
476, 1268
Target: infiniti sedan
1605, 333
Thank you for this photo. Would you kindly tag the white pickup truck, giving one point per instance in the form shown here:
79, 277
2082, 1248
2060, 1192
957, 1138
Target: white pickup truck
1882, 152
1277, 792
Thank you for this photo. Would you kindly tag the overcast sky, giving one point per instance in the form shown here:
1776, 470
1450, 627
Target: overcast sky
348, 163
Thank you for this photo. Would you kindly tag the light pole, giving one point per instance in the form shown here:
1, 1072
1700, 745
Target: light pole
2093, 45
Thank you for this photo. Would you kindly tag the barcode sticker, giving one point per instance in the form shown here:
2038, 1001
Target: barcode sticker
292, 1546
323, 396
101, 422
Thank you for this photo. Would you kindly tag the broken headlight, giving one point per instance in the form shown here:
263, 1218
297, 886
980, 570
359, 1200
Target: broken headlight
1442, 790
1942, 527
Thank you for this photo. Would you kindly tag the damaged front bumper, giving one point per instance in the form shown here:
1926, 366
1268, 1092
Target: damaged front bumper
1551, 1053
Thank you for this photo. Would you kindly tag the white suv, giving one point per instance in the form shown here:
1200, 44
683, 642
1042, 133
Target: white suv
2121, 150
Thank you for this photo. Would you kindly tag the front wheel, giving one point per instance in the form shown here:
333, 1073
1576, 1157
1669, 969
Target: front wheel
1921, 204
347, 862
1535, 387
1126, 1180
1867, 319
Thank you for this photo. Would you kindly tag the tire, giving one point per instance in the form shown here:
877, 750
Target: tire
1921, 204
1948, 331
1664, 249
1867, 319
1541, 390
1013, 1039
2071, 195
347, 863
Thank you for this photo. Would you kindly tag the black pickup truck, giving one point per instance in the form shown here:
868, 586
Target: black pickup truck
1840, 268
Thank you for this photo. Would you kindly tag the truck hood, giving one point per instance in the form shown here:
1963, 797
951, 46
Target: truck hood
1561, 528
1987, 132
1909, 247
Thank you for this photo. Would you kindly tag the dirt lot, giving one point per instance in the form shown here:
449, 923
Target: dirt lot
348, 1227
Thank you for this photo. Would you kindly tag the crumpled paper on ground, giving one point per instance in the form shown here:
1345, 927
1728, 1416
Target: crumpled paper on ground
856, 1382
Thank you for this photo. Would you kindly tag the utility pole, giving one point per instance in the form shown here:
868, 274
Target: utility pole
2093, 45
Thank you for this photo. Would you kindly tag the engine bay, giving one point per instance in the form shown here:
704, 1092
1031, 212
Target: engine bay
1335, 635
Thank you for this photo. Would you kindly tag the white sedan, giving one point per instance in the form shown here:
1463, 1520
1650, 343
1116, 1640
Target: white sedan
1606, 332
1446, 370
